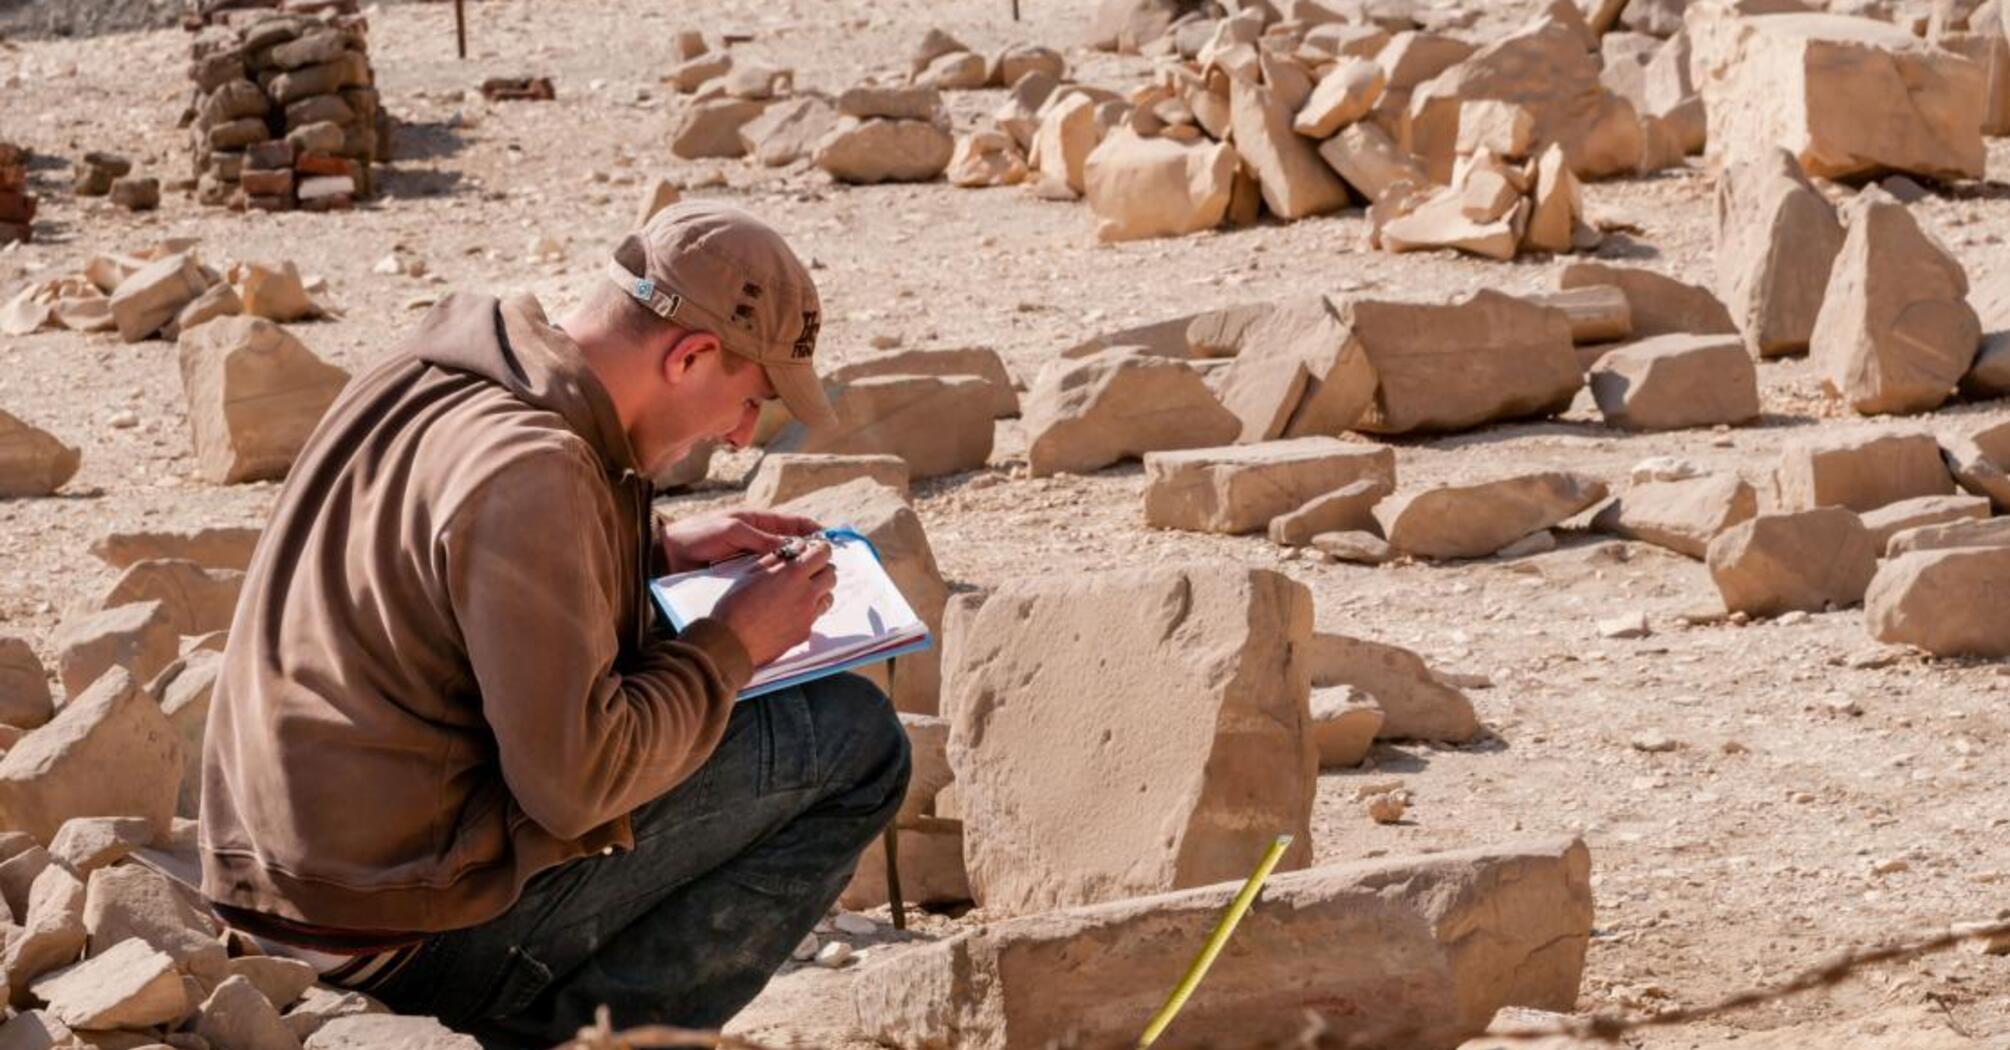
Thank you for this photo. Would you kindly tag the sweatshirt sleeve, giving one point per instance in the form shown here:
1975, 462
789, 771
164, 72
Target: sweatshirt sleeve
533, 577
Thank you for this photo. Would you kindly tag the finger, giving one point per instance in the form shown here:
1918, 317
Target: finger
815, 558
753, 540
824, 603
780, 524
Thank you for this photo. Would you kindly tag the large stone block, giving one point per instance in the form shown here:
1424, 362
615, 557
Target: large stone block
212, 547
878, 150
1861, 472
1489, 358
64, 769
938, 424
1156, 187
1659, 304
882, 515
1067, 134
980, 361
1086, 414
1239, 488
146, 301
1920, 512
32, 461
1895, 332
1802, 561
711, 127
1683, 516
1947, 602
1847, 96
1777, 239
1415, 703
1297, 372
1477, 520
52, 933
1193, 755
1675, 381
783, 476
1433, 946
1955, 535
1546, 69
1294, 181
128, 986
133, 902
255, 393
196, 600
138, 637
1977, 458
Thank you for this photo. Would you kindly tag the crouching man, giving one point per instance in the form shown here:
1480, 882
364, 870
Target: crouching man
450, 762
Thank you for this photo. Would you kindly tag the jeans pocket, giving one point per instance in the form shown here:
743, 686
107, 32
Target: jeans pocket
522, 980
788, 742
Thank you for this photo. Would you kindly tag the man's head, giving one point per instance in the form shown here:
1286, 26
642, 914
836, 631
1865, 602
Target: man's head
704, 315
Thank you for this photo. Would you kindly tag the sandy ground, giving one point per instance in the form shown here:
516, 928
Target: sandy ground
1749, 852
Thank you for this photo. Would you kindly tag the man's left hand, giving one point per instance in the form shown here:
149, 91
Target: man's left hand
708, 539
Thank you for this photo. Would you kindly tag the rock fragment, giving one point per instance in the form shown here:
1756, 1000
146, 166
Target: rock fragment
1298, 372
1086, 414
254, 394
1683, 516
1349, 508
1777, 240
57, 772
33, 462
1294, 181
1860, 471
1805, 561
1895, 332
1947, 602
1660, 305
1920, 512
1478, 520
1156, 187
1674, 381
1416, 703
1344, 724
783, 476
24, 685
1240, 488
938, 424
128, 986
878, 150
139, 638
1513, 360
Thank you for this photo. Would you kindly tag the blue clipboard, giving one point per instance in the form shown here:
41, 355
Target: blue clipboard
927, 640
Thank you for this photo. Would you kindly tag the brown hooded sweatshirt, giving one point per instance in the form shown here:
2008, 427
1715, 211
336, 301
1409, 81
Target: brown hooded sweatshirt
440, 679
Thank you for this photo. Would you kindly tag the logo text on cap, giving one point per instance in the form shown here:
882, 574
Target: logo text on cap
806, 344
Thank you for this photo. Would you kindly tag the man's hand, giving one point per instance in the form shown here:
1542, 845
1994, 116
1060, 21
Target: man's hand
706, 540
772, 610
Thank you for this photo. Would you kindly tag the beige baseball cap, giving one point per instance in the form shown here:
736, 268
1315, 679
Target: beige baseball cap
714, 268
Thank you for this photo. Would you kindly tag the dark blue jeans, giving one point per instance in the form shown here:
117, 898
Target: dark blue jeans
730, 869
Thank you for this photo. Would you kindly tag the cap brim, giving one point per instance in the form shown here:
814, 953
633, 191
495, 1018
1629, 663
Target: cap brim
803, 393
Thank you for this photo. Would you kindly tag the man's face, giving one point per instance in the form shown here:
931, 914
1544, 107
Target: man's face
697, 398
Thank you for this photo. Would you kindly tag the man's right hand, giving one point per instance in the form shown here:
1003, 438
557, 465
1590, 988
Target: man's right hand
771, 611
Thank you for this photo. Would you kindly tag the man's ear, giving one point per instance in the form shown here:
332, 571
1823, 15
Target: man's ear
684, 352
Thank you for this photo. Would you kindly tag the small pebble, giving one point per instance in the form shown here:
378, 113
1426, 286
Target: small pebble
833, 955
855, 924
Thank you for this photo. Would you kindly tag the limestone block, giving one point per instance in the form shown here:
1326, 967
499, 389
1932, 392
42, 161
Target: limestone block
1473, 930
33, 462
1674, 381
1194, 756
938, 424
1683, 516
1947, 602
139, 637
1895, 332
1860, 471
58, 772
783, 476
1478, 520
1240, 488
1443, 367
255, 393
1777, 239
1086, 414
878, 150
1805, 560
1156, 187
1847, 96
1661, 305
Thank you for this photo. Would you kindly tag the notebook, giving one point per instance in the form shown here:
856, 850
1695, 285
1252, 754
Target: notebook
868, 621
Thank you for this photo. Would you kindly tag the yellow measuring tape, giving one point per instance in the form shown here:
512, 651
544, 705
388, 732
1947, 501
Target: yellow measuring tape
1215, 942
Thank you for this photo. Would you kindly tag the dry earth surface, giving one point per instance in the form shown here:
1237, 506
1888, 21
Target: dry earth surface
1810, 804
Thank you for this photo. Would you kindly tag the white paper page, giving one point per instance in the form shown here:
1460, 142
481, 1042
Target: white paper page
868, 610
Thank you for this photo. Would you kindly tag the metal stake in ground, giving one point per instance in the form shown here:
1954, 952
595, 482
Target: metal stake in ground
461, 28
1215, 942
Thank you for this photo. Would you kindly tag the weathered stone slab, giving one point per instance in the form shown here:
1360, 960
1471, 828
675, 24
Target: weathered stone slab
1674, 381
1777, 239
1487, 359
59, 771
1683, 516
1478, 520
1947, 602
783, 476
33, 462
1240, 488
1086, 414
1861, 472
1193, 757
1416, 704
255, 393
938, 424
1440, 942
1802, 561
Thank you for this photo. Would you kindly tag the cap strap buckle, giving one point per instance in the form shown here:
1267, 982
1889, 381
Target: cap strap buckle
643, 290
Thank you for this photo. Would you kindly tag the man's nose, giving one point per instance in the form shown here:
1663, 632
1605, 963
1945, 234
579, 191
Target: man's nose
743, 434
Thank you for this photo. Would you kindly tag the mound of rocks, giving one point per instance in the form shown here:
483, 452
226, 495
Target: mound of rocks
286, 114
